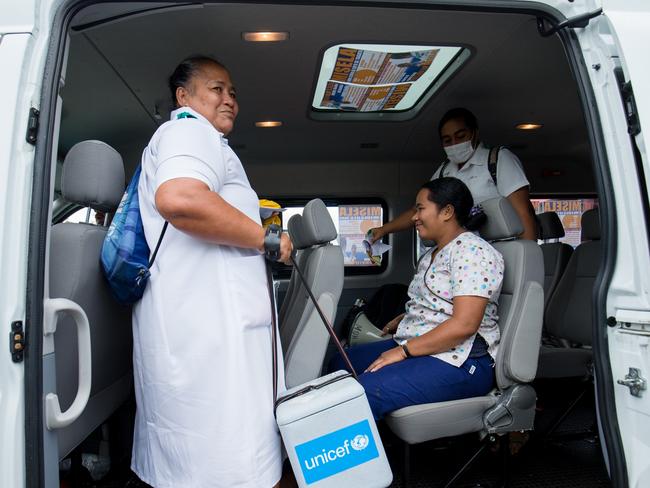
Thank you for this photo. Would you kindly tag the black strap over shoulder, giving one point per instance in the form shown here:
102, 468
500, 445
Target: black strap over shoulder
493, 159
442, 168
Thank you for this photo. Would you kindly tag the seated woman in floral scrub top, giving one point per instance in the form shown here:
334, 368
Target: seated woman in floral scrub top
445, 344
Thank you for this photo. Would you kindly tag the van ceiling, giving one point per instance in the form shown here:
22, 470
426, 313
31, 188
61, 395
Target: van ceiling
116, 81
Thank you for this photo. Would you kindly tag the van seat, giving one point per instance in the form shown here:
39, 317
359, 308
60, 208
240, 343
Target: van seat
303, 335
569, 311
93, 176
556, 254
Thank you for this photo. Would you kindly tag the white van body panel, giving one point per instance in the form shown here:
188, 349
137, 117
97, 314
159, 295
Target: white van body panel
26, 27
619, 38
16, 157
17, 16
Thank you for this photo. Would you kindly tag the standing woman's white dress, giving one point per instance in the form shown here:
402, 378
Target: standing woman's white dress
202, 332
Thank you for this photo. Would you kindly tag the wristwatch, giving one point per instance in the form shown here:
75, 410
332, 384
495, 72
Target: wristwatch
272, 242
406, 350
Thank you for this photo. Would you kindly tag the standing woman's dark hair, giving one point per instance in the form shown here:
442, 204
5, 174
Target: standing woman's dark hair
452, 191
186, 70
459, 113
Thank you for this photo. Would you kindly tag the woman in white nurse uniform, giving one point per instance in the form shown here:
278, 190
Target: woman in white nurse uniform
202, 331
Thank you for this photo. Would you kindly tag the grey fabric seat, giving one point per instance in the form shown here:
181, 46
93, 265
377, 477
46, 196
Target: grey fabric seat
511, 405
569, 311
93, 175
303, 336
556, 254
294, 228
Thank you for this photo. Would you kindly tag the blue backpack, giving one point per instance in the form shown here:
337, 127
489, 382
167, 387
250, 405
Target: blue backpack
125, 253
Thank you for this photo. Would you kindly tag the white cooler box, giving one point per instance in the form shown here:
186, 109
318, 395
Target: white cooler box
330, 435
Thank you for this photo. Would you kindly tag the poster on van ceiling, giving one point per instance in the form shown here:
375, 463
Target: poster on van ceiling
369, 81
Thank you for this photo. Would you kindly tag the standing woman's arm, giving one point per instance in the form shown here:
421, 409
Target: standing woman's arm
190, 206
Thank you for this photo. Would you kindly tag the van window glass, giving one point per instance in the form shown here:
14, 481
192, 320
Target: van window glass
382, 77
81, 215
570, 211
352, 222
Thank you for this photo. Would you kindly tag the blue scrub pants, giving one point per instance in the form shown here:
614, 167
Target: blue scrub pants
422, 379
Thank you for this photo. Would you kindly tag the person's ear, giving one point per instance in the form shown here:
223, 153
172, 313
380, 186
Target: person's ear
181, 96
448, 213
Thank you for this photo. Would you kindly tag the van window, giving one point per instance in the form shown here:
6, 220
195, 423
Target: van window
81, 215
352, 222
570, 211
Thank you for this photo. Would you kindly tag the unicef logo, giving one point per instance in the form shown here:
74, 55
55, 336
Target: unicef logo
360, 442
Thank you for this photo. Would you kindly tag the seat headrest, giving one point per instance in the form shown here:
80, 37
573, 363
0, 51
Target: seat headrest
317, 224
590, 225
93, 176
550, 226
297, 233
502, 220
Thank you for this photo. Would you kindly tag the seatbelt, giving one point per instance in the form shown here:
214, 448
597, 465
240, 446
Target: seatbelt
326, 322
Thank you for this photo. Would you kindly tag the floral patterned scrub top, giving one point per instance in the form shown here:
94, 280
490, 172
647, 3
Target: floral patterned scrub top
468, 265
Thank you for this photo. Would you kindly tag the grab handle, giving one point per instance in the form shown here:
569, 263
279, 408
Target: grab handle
55, 419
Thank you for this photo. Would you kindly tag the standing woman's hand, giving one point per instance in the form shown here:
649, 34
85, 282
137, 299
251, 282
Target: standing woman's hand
286, 248
375, 234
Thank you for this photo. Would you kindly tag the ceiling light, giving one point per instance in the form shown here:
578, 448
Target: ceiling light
266, 36
268, 123
528, 126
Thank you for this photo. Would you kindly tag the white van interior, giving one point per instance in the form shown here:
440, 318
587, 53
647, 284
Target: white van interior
113, 95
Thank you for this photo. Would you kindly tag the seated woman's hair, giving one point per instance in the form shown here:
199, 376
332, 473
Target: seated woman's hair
452, 191
186, 70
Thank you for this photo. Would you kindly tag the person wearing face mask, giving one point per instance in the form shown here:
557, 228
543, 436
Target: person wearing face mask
468, 160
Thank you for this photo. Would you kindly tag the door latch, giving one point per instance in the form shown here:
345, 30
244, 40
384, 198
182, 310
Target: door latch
634, 382
17, 341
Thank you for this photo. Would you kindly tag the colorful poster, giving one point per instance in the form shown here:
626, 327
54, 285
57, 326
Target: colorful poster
570, 213
354, 223
369, 81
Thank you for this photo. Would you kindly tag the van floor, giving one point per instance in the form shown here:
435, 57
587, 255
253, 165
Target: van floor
571, 457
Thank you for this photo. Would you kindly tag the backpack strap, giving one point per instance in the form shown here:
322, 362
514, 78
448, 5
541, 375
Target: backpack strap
493, 159
442, 168
162, 234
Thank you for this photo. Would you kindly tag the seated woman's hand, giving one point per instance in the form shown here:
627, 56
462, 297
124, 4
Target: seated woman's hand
394, 355
391, 327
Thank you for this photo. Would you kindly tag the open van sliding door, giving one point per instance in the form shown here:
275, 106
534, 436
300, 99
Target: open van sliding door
612, 39
628, 297
606, 41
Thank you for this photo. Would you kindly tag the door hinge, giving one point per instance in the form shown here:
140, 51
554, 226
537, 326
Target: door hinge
629, 104
634, 381
577, 21
17, 341
32, 126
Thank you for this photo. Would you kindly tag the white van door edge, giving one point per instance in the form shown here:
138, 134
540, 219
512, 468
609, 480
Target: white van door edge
623, 32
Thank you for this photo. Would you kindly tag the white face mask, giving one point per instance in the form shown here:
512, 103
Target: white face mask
460, 153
